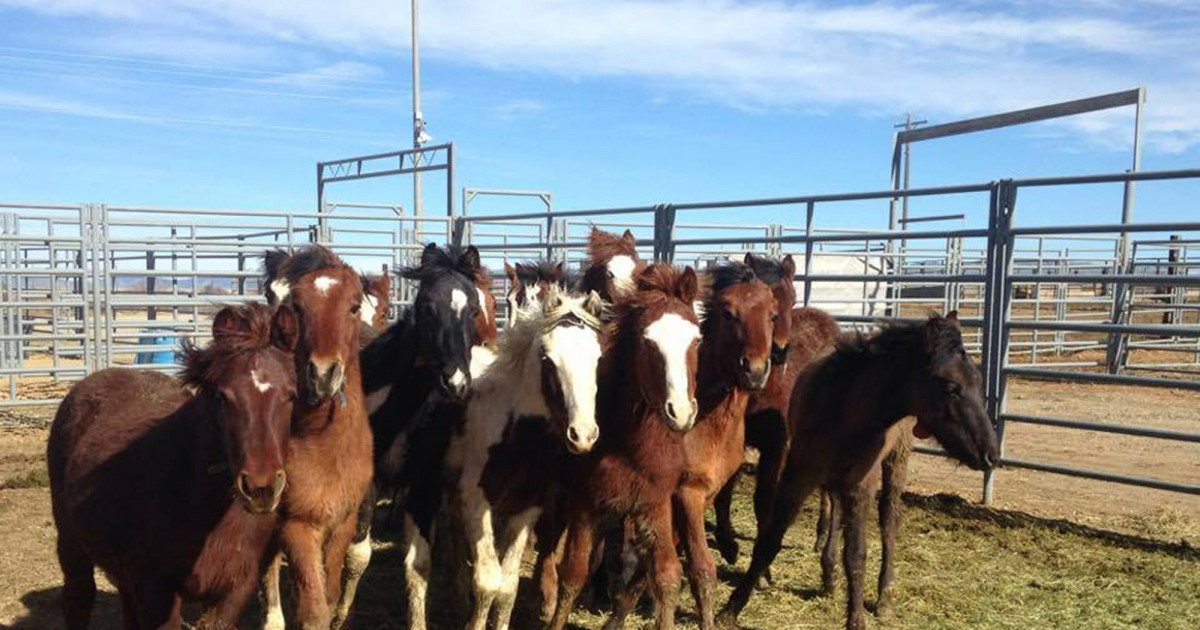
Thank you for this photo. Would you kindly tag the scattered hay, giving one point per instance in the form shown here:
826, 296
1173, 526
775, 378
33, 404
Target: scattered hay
33, 478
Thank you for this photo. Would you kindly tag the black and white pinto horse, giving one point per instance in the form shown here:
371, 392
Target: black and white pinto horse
528, 284
524, 416
425, 356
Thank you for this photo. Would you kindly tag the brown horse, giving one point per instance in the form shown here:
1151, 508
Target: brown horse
843, 410
800, 335
330, 453
173, 494
735, 361
612, 264
377, 301
645, 402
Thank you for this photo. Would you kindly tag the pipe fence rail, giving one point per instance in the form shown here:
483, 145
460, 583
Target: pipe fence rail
89, 286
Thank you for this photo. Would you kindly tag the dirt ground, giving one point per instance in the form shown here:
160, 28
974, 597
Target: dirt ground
1126, 566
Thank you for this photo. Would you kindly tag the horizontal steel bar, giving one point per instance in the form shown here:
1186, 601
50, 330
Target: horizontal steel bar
1107, 278
1111, 178
1182, 226
1144, 482
393, 171
1094, 377
1133, 329
433, 148
1103, 427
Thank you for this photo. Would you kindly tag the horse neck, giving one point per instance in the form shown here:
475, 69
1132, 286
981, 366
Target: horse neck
389, 357
883, 384
721, 398
518, 378
200, 432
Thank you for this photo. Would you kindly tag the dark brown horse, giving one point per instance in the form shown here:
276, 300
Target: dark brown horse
612, 264
843, 410
645, 403
735, 361
330, 453
173, 493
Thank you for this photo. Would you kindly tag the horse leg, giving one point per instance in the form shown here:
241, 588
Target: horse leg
666, 572
895, 474
158, 606
796, 483
628, 586
510, 564
79, 584
702, 571
358, 557
417, 565
272, 604
302, 544
727, 543
573, 572
487, 575
854, 554
548, 533
831, 511
224, 613
822, 522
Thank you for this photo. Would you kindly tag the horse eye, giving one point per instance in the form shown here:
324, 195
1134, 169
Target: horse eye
774, 318
611, 275
354, 310
954, 390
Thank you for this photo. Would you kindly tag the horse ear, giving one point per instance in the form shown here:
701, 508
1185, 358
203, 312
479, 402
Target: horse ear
469, 262
510, 273
595, 304
229, 322
285, 329
429, 255
789, 268
560, 271
629, 238
749, 260
689, 286
952, 317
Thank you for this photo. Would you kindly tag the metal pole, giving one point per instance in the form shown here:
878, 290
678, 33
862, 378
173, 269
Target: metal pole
418, 122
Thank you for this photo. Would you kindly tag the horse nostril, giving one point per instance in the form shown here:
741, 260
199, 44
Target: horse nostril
671, 410
572, 434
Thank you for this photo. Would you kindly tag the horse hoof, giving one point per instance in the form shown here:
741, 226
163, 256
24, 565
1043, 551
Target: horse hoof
729, 551
726, 620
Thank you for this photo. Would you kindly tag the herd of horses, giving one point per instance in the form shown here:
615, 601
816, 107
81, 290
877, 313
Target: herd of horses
602, 421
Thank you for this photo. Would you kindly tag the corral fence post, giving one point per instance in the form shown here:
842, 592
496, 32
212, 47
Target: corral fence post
997, 310
664, 232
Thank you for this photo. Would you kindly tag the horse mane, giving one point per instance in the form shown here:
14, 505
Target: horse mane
935, 338
443, 261
769, 270
516, 341
203, 366
603, 246
536, 271
656, 284
277, 263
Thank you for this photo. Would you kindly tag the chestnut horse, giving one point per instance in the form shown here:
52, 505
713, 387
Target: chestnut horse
377, 301
843, 410
612, 264
331, 438
800, 335
735, 362
646, 402
172, 493
523, 418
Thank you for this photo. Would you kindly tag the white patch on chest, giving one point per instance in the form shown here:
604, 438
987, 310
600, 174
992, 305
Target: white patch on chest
324, 284
621, 267
281, 289
458, 302
370, 305
261, 384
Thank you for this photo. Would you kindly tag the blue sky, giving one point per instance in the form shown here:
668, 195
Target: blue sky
603, 103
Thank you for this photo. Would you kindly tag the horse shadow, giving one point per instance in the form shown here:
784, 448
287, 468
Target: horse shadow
43, 611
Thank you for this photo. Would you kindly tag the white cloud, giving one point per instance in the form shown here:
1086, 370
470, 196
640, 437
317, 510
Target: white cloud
942, 59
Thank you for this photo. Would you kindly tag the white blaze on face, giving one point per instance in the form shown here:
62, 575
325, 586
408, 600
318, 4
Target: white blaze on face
575, 352
458, 302
281, 289
673, 336
458, 379
260, 383
370, 305
324, 284
483, 304
621, 267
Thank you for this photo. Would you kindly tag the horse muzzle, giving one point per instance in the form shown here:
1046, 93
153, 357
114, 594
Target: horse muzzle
260, 496
325, 379
779, 354
754, 377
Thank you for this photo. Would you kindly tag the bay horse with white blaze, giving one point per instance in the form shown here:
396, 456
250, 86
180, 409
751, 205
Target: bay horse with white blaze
173, 493
646, 402
843, 409
612, 264
329, 455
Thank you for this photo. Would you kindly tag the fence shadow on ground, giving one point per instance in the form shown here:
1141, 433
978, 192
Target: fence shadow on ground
956, 506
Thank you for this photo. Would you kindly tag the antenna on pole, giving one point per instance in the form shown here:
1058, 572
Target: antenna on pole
420, 137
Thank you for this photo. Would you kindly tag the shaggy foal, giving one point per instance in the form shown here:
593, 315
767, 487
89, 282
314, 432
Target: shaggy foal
843, 409
173, 493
